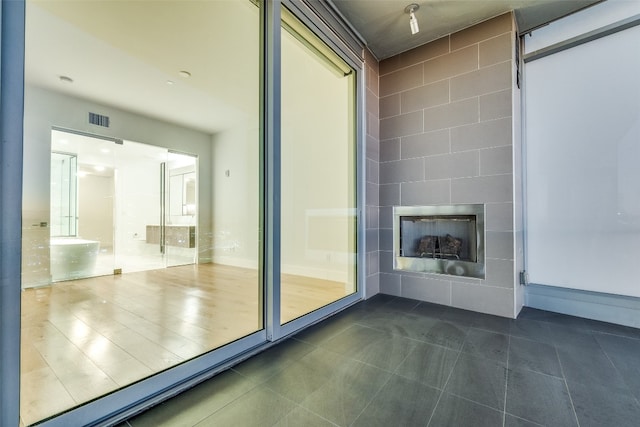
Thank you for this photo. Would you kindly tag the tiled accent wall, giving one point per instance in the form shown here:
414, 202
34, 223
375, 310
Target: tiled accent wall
446, 137
372, 142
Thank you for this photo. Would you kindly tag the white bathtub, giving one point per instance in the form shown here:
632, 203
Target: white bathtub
73, 258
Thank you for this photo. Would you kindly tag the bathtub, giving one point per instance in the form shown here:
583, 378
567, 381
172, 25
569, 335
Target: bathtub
72, 258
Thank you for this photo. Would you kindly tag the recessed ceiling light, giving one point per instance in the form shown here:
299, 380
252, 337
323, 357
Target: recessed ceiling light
169, 82
66, 79
185, 74
105, 150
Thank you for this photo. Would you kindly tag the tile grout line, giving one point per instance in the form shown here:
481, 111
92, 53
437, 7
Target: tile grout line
444, 387
566, 386
506, 383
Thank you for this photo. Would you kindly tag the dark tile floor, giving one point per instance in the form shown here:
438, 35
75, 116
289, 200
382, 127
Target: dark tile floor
399, 362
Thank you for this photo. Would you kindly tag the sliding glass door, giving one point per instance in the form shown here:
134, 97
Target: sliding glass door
319, 204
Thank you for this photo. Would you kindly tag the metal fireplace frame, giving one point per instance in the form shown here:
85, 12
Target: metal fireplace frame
451, 267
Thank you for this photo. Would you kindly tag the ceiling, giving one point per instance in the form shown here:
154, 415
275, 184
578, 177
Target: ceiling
119, 54
384, 25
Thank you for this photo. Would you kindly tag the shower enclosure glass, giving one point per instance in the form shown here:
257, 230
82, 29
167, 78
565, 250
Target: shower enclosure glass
64, 194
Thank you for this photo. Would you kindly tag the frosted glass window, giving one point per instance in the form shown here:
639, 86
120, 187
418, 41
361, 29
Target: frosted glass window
583, 166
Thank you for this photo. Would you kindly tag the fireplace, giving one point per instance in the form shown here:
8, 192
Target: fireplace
439, 239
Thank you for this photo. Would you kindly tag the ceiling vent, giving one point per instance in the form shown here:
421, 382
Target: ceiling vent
99, 120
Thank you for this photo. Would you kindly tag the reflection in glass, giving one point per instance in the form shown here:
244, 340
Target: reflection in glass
171, 243
318, 173
64, 194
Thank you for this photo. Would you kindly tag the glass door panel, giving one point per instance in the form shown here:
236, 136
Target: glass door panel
189, 84
181, 209
318, 236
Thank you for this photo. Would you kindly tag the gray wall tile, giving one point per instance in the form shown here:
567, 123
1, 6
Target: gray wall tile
372, 171
405, 124
372, 104
499, 216
390, 284
451, 64
425, 144
372, 238
390, 106
386, 260
427, 289
372, 198
389, 194
483, 31
386, 217
457, 165
496, 188
390, 65
451, 115
495, 105
499, 273
373, 126
401, 80
372, 286
485, 299
485, 80
372, 217
390, 150
373, 263
426, 193
495, 133
499, 244
425, 52
386, 239
495, 161
425, 96
497, 49
402, 171
373, 148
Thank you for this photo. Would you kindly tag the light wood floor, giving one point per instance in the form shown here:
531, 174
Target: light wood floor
84, 338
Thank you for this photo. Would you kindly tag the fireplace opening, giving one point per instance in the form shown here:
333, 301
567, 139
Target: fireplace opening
439, 236
440, 239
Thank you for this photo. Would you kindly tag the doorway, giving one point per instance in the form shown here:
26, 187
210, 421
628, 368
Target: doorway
119, 206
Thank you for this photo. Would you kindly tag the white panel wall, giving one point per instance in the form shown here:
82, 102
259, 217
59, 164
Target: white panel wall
583, 152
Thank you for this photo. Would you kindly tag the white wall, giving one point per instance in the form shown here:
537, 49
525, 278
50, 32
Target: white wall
235, 194
44, 109
582, 129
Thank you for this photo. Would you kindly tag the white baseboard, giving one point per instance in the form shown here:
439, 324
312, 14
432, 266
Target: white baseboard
619, 309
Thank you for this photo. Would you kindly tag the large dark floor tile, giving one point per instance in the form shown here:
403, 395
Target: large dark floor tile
534, 356
378, 348
347, 393
539, 398
613, 329
562, 336
196, 404
486, 344
306, 375
590, 367
532, 330
458, 412
479, 379
600, 407
487, 322
259, 407
429, 364
262, 366
401, 402
301, 417
511, 421
446, 334
459, 316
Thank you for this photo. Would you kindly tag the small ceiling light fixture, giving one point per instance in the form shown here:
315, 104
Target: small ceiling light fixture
185, 74
413, 22
65, 79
